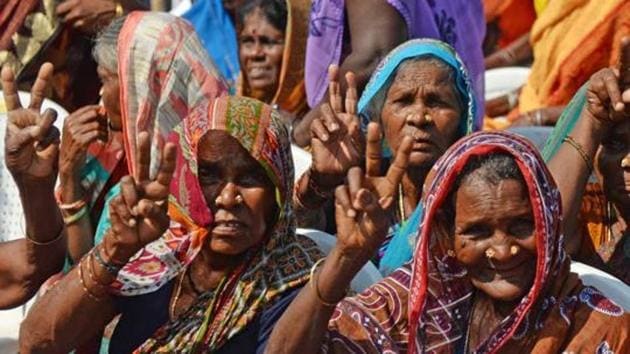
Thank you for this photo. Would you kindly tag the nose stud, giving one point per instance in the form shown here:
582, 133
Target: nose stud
428, 118
238, 199
514, 250
625, 163
409, 118
490, 253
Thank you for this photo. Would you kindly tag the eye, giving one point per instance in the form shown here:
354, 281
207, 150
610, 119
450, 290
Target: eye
435, 101
404, 99
522, 227
251, 180
476, 231
208, 176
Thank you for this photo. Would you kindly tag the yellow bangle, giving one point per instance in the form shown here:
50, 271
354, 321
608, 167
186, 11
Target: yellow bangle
46, 243
85, 288
568, 139
71, 219
313, 282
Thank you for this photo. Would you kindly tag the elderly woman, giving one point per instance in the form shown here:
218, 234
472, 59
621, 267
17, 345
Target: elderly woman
31, 153
154, 71
492, 214
224, 271
420, 90
271, 41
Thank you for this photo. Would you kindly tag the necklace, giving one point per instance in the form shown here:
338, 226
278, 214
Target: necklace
178, 291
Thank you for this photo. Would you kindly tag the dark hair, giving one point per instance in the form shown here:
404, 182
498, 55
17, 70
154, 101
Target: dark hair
491, 168
275, 11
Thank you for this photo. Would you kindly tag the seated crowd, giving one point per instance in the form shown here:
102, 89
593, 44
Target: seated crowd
163, 216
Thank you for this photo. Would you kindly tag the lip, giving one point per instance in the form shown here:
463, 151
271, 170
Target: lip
228, 227
257, 72
508, 270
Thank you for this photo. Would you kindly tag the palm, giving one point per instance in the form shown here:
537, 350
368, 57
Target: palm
336, 156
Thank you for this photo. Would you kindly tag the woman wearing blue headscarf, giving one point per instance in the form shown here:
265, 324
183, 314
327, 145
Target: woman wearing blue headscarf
421, 90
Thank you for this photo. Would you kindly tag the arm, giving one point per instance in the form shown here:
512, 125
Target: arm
516, 53
375, 29
31, 152
361, 213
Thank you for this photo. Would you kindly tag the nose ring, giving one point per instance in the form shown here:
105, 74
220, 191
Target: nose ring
428, 118
625, 163
514, 250
218, 200
409, 118
238, 199
490, 253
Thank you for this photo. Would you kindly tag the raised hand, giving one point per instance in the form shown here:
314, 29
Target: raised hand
139, 213
336, 135
87, 15
362, 205
608, 94
31, 141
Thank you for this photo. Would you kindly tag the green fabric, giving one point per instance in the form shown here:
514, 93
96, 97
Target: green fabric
565, 124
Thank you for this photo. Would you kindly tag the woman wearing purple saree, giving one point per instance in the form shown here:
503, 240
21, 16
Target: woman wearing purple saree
357, 34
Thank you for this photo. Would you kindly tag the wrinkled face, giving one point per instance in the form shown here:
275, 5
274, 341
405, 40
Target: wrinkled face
614, 175
261, 47
238, 192
110, 93
421, 88
498, 218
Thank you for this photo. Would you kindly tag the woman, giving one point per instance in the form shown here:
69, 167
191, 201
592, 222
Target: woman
271, 49
357, 34
420, 90
224, 271
134, 50
492, 215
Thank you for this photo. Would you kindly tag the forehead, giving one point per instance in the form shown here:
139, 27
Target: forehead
217, 145
255, 21
422, 72
477, 197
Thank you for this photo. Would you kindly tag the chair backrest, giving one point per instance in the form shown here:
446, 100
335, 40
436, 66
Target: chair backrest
367, 276
11, 214
301, 160
611, 287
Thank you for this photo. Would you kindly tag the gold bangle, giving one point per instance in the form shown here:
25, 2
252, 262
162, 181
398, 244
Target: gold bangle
46, 243
85, 288
568, 139
313, 282
91, 274
71, 219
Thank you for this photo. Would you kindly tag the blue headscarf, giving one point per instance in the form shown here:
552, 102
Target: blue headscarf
217, 33
400, 249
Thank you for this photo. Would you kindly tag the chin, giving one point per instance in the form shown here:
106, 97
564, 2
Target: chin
421, 160
226, 248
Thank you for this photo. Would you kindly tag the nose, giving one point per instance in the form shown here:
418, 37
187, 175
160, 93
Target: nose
228, 196
625, 162
418, 116
500, 247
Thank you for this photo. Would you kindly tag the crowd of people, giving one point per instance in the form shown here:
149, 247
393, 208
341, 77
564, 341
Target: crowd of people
162, 217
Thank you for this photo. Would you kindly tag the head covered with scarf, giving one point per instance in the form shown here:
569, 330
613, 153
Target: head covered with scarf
371, 104
280, 263
441, 294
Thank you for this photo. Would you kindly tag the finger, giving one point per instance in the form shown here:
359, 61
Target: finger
129, 194
64, 7
9, 89
373, 150
399, 167
343, 201
118, 226
319, 131
334, 90
355, 183
330, 120
167, 165
85, 128
53, 137
143, 156
45, 123
351, 93
39, 87
366, 201
121, 208
624, 64
612, 87
88, 138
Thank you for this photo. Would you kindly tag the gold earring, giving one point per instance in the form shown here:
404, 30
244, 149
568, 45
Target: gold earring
428, 118
450, 253
238, 199
490, 253
514, 250
625, 163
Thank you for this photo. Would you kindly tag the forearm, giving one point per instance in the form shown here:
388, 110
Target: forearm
294, 335
571, 173
80, 233
52, 323
517, 52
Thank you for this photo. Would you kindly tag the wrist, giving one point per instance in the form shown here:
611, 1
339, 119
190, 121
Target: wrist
325, 182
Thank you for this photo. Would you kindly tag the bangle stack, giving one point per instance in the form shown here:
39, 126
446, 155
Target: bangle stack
86, 289
71, 212
569, 140
110, 267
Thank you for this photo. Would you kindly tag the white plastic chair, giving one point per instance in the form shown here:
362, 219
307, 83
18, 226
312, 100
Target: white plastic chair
611, 287
367, 276
301, 160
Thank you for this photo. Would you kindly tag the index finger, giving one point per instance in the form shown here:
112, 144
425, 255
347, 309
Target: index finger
39, 87
373, 150
143, 157
334, 90
351, 93
397, 170
9, 89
